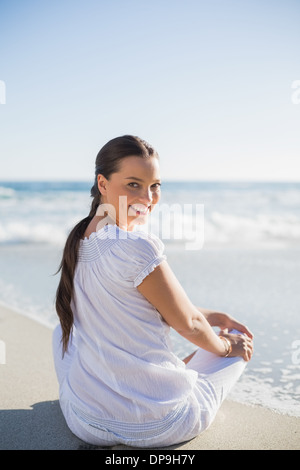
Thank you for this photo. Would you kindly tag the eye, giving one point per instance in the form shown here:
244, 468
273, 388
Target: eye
156, 185
133, 185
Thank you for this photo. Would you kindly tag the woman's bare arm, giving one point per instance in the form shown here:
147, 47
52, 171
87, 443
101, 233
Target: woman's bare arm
162, 289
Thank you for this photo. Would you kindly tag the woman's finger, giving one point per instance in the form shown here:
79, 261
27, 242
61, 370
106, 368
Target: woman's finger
246, 330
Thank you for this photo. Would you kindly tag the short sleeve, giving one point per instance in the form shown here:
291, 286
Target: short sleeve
136, 257
151, 256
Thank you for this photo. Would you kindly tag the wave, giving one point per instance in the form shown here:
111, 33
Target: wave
245, 215
26, 232
265, 229
7, 192
216, 229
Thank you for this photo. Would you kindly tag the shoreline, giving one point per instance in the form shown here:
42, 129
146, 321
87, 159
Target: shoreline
30, 416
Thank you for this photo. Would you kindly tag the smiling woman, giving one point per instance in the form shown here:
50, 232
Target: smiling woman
117, 298
130, 197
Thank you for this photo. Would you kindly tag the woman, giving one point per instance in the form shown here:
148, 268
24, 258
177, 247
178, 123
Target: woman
116, 300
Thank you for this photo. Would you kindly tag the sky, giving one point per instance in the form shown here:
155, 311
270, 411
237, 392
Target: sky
207, 83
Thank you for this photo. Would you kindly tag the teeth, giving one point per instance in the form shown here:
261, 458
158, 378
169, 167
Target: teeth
140, 208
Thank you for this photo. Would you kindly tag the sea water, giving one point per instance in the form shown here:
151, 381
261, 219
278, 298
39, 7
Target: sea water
235, 247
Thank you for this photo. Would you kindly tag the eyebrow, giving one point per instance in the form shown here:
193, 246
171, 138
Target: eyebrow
138, 179
133, 178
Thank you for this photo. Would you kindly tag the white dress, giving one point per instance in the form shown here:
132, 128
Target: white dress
120, 382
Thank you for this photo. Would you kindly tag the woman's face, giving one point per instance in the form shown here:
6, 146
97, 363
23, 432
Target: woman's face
131, 192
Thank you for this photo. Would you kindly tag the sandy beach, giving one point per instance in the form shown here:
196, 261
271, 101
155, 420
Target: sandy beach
30, 416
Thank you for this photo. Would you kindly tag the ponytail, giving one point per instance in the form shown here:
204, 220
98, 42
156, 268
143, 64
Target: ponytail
67, 267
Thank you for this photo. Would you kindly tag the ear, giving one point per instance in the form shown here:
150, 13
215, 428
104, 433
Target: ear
102, 181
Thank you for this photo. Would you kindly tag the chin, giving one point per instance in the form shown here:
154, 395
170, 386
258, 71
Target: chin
133, 222
140, 220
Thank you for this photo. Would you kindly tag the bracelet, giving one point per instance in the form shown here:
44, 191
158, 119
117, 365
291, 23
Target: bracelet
228, 344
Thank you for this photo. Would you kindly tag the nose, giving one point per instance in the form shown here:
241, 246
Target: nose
146, 196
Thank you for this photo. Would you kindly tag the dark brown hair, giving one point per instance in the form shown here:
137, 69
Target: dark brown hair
107, 162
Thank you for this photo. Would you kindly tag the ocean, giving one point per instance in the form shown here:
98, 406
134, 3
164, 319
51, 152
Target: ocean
234, 246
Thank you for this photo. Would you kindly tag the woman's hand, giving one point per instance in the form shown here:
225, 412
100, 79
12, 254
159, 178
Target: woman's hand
242, 345
225, 321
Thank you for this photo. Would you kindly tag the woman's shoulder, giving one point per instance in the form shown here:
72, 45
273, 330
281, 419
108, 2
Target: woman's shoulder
123, 257
135, 255
113, 241
139, 241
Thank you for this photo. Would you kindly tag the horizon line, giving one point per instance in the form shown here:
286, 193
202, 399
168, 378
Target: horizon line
169, 180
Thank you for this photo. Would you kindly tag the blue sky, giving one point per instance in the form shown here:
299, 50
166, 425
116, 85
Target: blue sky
208, 83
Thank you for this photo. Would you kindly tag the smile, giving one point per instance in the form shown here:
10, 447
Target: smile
139, 209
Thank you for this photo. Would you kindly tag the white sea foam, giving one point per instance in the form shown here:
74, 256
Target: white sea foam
268, 217
218, 230
6, 192
251, 389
